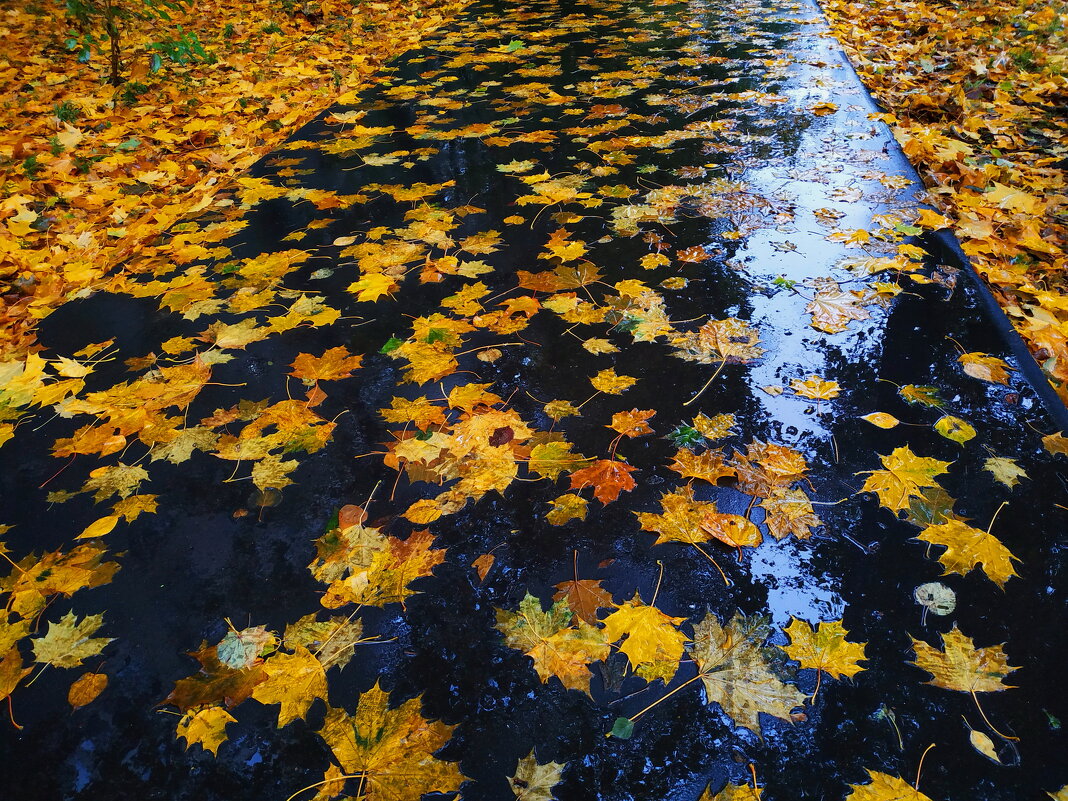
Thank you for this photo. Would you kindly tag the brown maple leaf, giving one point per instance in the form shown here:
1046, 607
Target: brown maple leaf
608, 477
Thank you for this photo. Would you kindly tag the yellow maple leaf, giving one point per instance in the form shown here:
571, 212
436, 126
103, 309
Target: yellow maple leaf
392, 749
735, 672
1005, 470
824, 648
884, 787
789, 511
714, 428
560, 643
963, 667
373, 286
534, 781
69, 642
634, 423
708, 466
205, 727
334, 365
608, 382
833, 310
967, 548
567, 507
905, 474
651, 640
815, 388
293, 680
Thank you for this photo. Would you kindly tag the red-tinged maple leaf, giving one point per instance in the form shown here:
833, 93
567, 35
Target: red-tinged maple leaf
634, 423
608, 477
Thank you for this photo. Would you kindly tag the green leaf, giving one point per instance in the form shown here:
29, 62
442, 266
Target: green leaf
685, 436
391, 345
623, 728
436, 335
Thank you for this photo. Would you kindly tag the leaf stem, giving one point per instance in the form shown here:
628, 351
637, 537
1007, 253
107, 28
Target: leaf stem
708, 383
342, 777
987, 720
916, 784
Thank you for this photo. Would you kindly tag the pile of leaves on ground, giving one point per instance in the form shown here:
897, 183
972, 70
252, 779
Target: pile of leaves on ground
976, 92
93, 173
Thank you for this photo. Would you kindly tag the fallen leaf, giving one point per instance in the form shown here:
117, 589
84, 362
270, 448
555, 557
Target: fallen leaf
904, 476
652, 641
824, 648
962, 666
393, 749
559, 644
69, 642
86, 689
735, 672
534, 781
968, 548
884, 787
205, 727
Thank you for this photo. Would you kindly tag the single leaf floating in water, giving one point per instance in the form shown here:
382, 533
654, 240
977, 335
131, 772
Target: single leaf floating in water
567, 507
534, 781
734, 792
824, 648
815, 388
936, 597
881, 419
584, 597
955, 429
968, 548
69, 642
714, 428
789, 511
334, 365
608, 382
239, 649
11, 671
1005, 470
391, 749
985, 368
332, 641
483, 564
736, 672
205, 727
559, 642
608, 477
634, 423
733, 530
982, 743
86, 689
884, 787
963, 667
903, 478
833, 310
294, 681
1055, 443
920, 395
652, 641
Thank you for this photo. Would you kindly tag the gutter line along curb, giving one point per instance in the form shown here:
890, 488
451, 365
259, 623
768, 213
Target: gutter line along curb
950, 252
